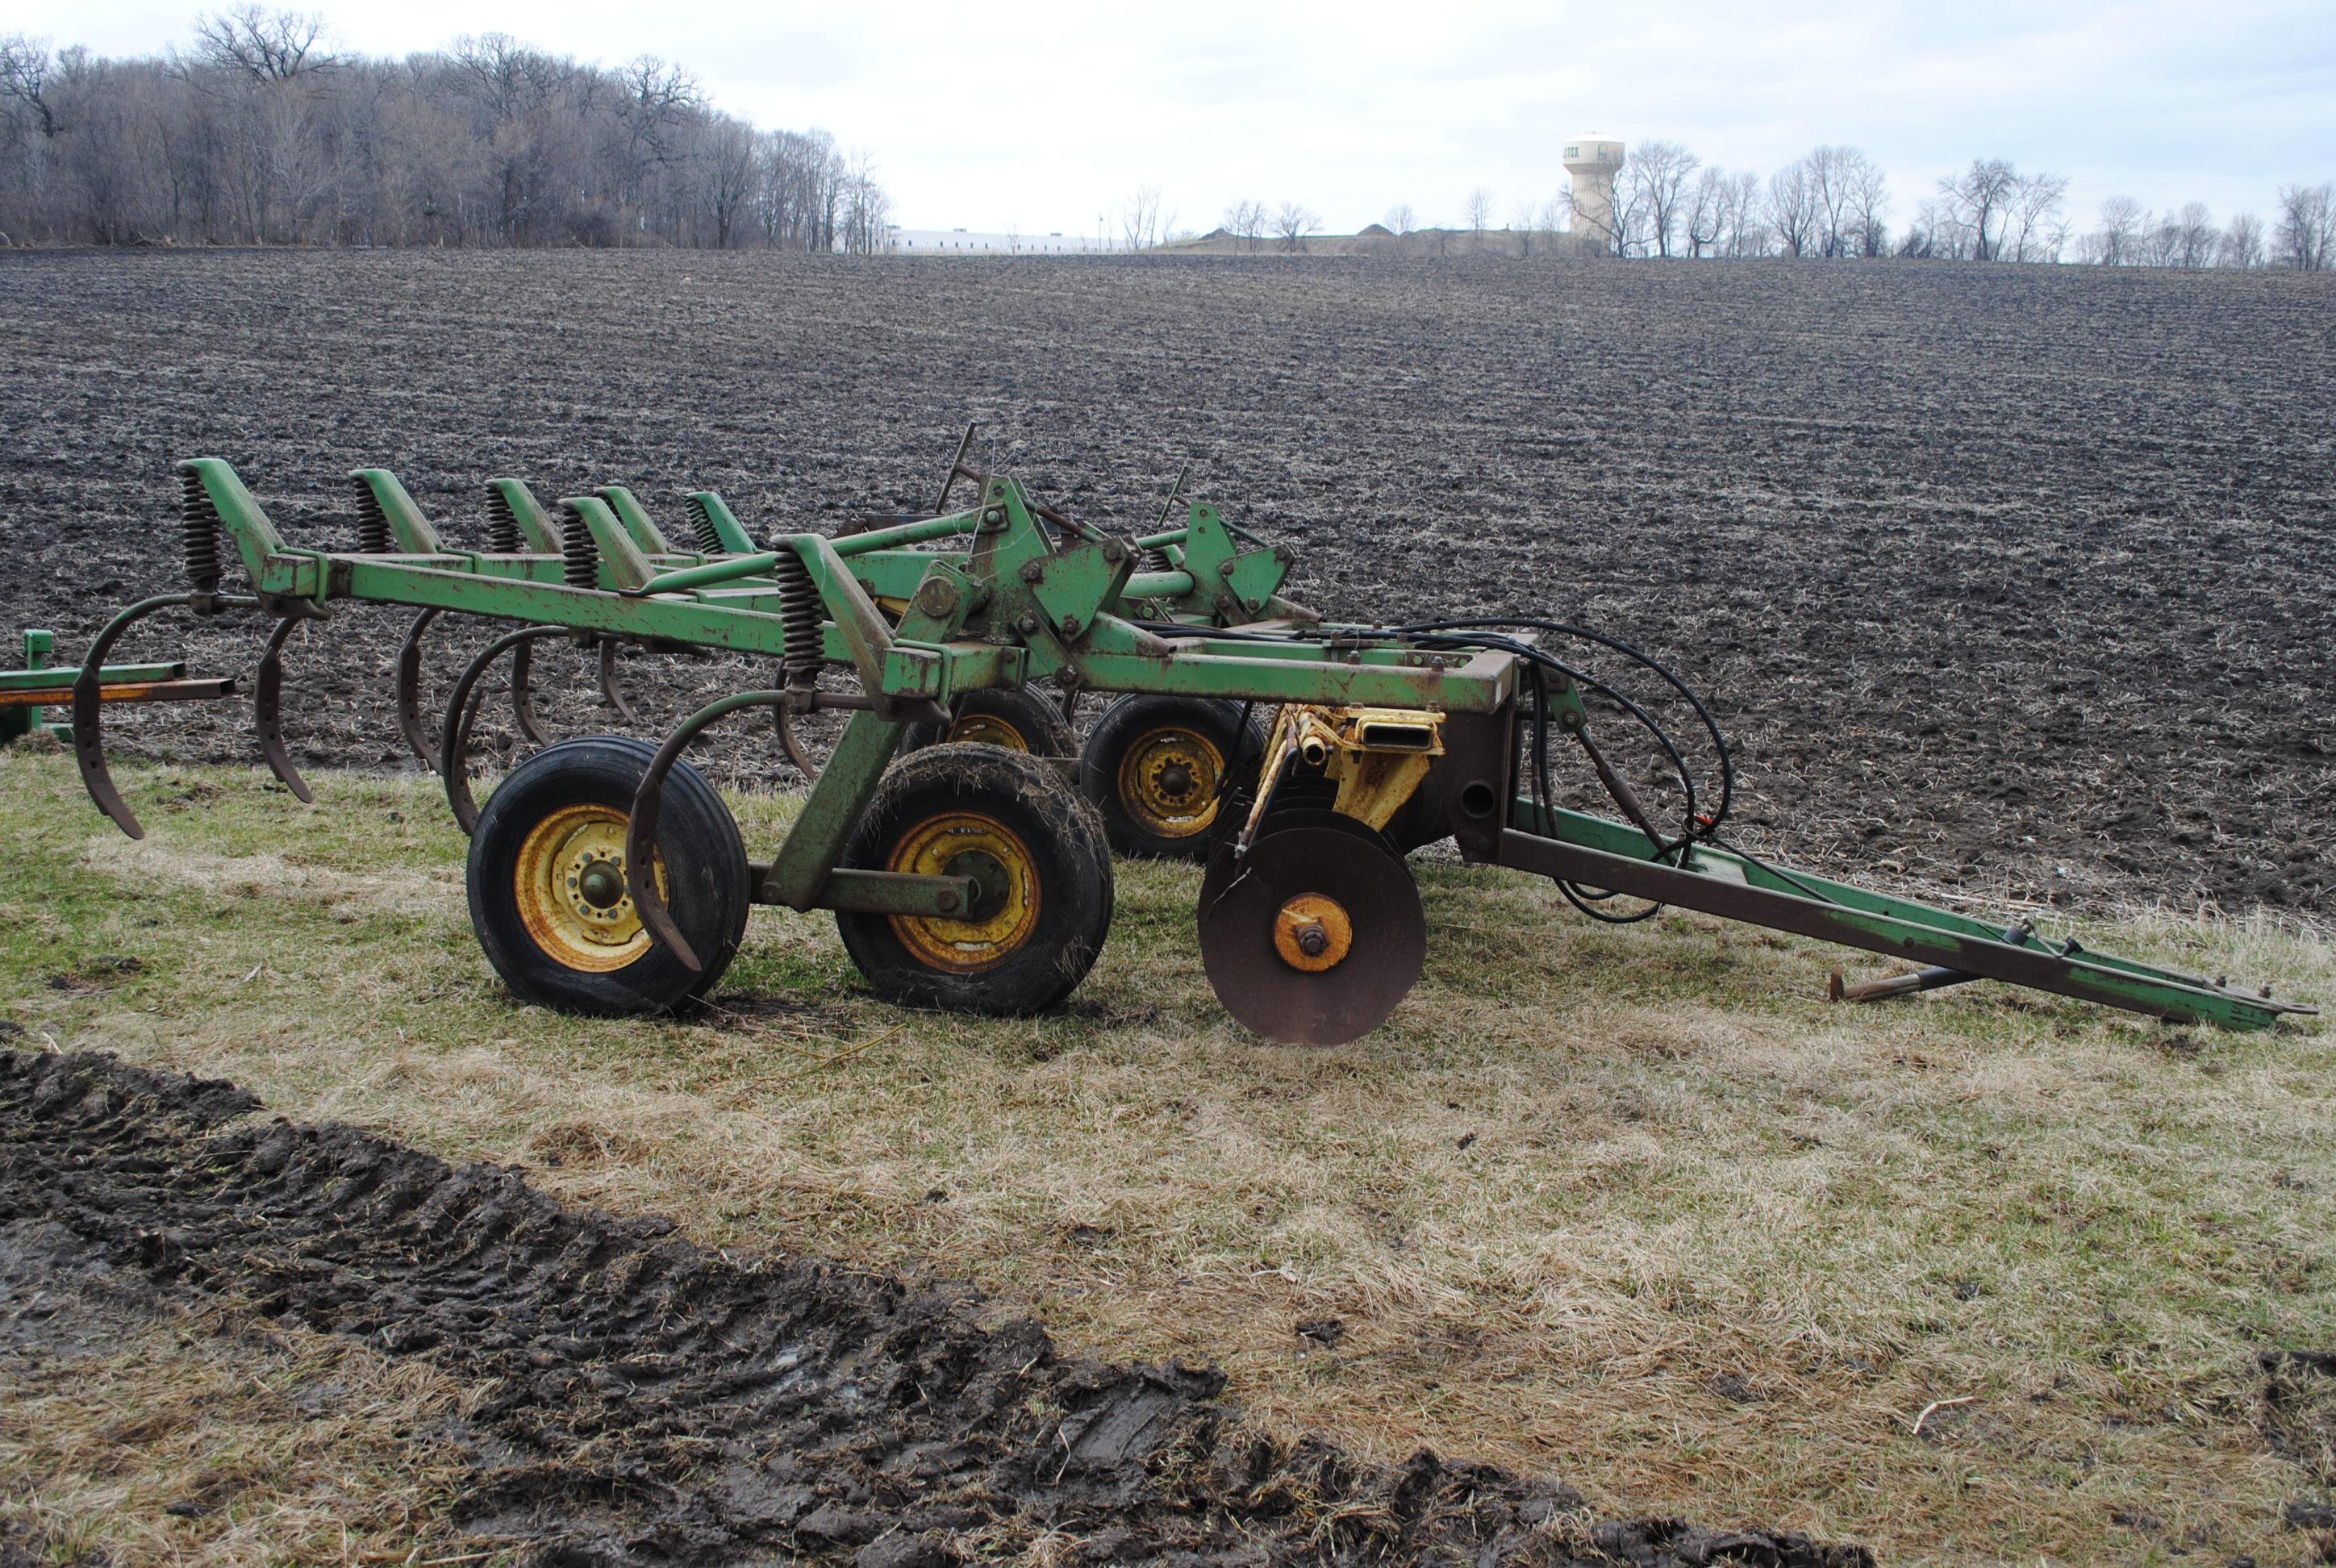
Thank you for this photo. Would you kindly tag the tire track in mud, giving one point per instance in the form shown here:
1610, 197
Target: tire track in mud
650, 1402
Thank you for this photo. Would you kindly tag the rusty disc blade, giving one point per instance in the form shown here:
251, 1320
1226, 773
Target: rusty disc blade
1241, 901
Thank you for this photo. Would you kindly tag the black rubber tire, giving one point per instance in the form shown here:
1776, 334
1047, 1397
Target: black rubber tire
1124, 723
1037, 721
1069, 862
697, 841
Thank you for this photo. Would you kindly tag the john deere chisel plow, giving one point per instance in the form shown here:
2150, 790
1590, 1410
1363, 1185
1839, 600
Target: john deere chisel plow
960, 834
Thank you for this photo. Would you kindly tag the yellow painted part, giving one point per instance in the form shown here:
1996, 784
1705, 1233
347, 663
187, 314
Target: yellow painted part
987, 729
564, 924
967, 946
61, 695
1305, 909
1149, 770
1373, 785
1374, 781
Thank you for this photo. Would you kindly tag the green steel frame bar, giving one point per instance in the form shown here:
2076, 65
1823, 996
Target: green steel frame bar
1591, 852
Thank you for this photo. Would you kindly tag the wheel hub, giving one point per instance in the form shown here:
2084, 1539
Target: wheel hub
1005, 892
992, 882
574, 893
1312, 932
1168, 782
601, 884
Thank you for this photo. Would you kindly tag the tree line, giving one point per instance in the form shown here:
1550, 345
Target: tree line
260, 133
1835, 201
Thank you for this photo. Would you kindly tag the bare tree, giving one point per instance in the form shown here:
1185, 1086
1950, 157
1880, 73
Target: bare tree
1941, 232
1868, 205
1245, 221
1602, 223
2117, 241
1525, 222
1705, 210
1292, 224
1746, 219
1140, 219
1654, 182
2196, 235
867, 216
25, 67
257, 133
266, 45
1829, 184
2306, 226
2031, 214
732, 169
1480, 213
1793, 207
2242, 244
1978, 198
1401, 217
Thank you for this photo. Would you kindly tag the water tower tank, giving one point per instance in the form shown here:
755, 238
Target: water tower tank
1593, 160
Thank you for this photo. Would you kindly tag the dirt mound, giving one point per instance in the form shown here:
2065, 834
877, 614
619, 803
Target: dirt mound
653, 1403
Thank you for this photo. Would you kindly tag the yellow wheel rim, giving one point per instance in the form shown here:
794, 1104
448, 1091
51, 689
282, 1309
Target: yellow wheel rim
1006, 906
574, 896
1168, 781
984, 729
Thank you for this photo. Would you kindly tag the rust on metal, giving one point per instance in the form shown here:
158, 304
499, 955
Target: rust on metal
268, 712
409, 721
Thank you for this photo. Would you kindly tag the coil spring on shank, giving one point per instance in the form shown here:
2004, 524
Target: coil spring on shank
582, 564
1154, 560
799, 617
701, 527
373, 523
503, 524
199, 524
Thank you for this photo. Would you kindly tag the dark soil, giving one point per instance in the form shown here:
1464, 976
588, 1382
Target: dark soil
651, 1403
2016, 576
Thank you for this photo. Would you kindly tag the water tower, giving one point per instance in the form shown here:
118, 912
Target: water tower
1593, 160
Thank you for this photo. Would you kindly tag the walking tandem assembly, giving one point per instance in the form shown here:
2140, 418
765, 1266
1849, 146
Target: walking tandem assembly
961, 835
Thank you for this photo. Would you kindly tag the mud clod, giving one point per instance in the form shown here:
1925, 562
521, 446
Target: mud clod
647, 1402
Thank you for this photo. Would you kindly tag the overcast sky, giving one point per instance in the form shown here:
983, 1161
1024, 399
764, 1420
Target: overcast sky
1045, 116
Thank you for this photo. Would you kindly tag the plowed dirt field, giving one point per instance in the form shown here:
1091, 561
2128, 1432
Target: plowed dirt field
2018, 579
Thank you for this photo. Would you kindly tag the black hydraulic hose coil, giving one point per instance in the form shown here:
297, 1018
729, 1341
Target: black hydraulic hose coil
503, 524
581, 564
373, 523
199, 523
800, 617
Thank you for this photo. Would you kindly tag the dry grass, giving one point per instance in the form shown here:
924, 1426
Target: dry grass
215, 1437
1636, 1207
